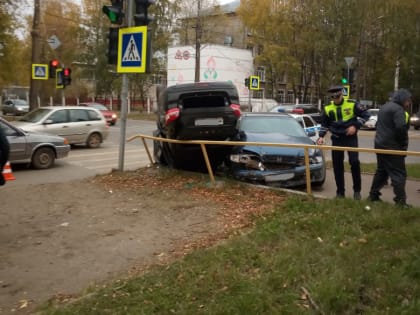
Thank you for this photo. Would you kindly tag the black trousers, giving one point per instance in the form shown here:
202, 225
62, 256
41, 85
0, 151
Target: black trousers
394, 167
338, 163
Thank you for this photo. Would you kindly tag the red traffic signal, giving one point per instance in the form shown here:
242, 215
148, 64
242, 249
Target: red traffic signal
66, 76
53, 65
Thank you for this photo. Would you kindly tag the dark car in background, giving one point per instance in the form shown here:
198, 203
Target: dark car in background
33, 148
271, 165
195, 111
110, 116
15, 107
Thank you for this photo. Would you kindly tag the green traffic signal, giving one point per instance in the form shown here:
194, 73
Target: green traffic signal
114, 12
344, 80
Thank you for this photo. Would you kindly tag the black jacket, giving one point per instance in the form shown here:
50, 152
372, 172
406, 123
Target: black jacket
391, 127
4, 148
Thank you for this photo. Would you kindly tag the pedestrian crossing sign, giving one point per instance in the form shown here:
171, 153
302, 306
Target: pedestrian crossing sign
39, 72
346, 91
132, 43
254, 82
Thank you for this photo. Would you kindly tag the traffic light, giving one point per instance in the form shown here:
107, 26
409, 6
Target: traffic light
52, 68
343, 80
66, 76
142, 17
247, 82
59, 84
115, 11
112, 52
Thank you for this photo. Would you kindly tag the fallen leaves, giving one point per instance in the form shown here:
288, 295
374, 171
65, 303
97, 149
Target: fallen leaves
238, 204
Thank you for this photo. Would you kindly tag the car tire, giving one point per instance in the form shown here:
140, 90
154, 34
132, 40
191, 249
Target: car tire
167, 157
43, 158
94, 140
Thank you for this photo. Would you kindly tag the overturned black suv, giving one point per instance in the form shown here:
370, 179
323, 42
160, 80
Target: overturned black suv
195, 111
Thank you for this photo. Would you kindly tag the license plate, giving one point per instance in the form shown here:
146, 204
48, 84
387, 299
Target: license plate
209, 121
278, 177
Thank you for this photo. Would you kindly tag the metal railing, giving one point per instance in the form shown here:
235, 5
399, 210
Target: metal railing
306, 148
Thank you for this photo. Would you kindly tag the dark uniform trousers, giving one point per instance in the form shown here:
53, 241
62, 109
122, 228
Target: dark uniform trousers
338, 162
394, 167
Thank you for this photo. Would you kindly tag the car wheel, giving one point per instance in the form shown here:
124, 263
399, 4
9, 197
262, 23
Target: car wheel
158, 149
43, 158
94, 140
167, 156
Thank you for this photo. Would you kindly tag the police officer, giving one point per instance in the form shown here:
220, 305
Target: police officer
392, 134
343, 119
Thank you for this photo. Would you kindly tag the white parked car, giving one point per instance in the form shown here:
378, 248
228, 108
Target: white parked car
79, 125
308, 124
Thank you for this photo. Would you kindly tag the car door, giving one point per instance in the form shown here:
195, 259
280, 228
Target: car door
7, 107
81, 124
58, 123
310, 127
17, 142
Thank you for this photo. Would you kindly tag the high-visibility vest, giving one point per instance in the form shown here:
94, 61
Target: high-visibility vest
347, 111
407, 117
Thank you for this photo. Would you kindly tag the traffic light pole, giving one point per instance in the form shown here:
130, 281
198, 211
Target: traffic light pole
124, 94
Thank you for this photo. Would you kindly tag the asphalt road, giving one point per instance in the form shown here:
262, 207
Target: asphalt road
83, 162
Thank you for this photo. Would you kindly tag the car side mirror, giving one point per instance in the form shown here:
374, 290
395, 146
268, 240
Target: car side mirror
47, 122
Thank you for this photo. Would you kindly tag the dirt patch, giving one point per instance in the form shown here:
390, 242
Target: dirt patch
58, 239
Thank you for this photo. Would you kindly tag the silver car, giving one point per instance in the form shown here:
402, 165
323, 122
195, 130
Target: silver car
79, 125
38, 150
15, 107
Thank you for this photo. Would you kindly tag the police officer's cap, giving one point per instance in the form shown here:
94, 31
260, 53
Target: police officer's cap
335, 89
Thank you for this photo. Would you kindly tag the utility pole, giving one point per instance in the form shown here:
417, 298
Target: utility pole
198, 34
36, 48
397, 74
124, 94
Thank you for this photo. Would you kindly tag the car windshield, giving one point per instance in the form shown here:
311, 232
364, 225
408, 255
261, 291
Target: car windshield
272, 124
20, 103
36, 115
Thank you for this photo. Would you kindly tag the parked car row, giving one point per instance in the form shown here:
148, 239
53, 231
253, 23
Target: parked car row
309, 109
32, 148
211, 111
46, 133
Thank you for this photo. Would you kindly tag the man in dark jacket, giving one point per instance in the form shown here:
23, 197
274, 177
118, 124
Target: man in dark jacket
343, 119
4, 153
392, 134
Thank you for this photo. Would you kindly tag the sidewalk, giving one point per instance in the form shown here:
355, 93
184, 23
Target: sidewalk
328, 190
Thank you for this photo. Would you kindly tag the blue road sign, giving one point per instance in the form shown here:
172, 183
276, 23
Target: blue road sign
39, 72
255, 82
132, 43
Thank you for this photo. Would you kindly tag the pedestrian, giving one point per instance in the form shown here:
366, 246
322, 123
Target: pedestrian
392, 134
343, 119
4, 154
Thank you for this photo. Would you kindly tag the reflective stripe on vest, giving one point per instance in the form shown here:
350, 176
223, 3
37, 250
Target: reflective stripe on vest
407, 116
347, 111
